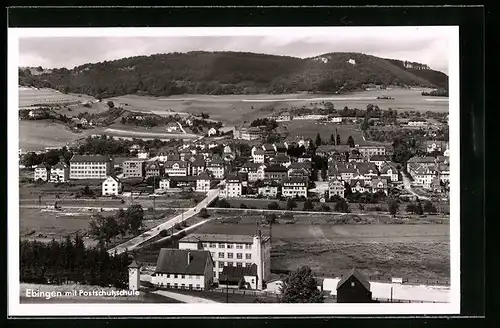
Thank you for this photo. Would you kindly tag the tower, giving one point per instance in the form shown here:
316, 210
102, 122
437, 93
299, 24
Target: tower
134, 281
257, 250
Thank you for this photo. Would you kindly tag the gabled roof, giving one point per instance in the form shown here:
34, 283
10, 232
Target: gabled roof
259, 152
203, 176
355, 181
223, 238
89, 158
425, 159
153, 166
60, 165
268, 147
359, 277
113, 177
303, 165
181, 164
295, 180
234, 274
174, 261
275, 168
134, 264
374, 158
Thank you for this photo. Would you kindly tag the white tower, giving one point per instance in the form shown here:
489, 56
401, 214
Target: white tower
257, 254
134, 281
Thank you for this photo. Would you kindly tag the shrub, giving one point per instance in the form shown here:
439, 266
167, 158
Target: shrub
163, 233
204, 213
177, 226
325, 208
273, 206
243, 205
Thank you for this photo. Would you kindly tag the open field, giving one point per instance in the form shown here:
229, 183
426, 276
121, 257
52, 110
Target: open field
379, 250
146, 133
233, 109
36, 135
144, 297
33, 96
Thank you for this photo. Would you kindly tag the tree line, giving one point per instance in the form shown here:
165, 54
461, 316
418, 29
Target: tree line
69, 261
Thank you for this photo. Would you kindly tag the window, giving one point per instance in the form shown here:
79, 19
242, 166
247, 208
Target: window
213, 254
183, 277
213, 245
168, 285
239, 256
175, 276
229, 245
168, 275
190, 286
229, 255
176, 285
198, 277
198, 286
221, 255
239, 265
230, 264
239, 246
221, 264
183, 286
248, 256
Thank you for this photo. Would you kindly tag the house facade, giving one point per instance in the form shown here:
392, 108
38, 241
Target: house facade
294, 187
59, 173
90, 167
203, 183
153, 169
233, 187
183, 269
42, 172
217, 168
176, 168
235, 251
370, 150
268, 191
112, 186
336, 187
134, 169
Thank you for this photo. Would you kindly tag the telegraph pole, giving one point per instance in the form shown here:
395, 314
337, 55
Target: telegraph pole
154, 195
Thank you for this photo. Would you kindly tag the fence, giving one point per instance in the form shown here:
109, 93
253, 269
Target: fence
388, 300
443, 282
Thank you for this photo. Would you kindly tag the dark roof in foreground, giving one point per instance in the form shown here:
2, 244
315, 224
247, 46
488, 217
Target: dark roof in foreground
90, 158
358, 275
232, 273
171, 260
211, 237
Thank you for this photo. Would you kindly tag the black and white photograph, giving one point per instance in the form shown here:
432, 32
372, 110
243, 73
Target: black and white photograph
210, 171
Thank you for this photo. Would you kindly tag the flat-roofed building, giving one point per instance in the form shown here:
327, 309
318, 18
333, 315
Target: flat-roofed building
90, 167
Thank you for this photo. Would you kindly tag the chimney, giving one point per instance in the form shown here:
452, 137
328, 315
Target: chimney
189, 258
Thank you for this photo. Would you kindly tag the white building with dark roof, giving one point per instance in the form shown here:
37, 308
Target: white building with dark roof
59, 173
184, 269
235, 251
42, 172
294, 187
90, 167
112, 186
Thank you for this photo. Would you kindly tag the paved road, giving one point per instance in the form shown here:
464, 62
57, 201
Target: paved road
183, 298
407, 185
136, 241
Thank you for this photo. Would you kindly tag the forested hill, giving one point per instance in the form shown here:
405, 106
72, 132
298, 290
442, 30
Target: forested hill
230, 73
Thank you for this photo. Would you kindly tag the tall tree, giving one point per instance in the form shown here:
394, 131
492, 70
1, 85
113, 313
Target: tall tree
301, 287
308, 205
338, 139
318, 140
291, 204
332, 139
350, 142
393, 206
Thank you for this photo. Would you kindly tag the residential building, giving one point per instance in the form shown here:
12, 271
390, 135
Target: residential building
165, 183
359, 185
198, 166
336, 187
378, 160
176, 168
42, 172
367, 151
233, 187
416, 162
218, 168
294, 187
173, 127
255, 171
184, 269
90, 167
269, 190
269, 150
276, 173
354, 288
143, 154
134, 169
280, 159
234, 250
281, 147
390, 171
153, 169
36, 113
239, 277
433, 145
250, 133
258, 156
298, 173
355, 157
283, 117
112, 186
336, 119
379, 185
417, 123
59, 172
203, 182
212, 132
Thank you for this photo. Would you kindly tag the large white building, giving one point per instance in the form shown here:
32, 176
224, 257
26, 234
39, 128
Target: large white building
203, 183
189, 268
217, 168
233, 187
90, 167
294, 187
112, 186
234, 250
42, 172
177, 168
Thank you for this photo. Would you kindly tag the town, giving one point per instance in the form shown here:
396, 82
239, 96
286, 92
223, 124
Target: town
255, 167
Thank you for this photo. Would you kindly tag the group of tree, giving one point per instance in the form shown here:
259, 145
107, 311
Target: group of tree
365, 197
221, 73
104, 228
436, 93
70, 261
270, 124
417, 208
301, 287
50, 157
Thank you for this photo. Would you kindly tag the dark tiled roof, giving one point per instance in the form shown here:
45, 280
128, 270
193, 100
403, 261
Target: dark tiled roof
60, 165
224, 238
358, 277
172, 260
231, 273
133, 264
90, 158
276, 168
294, 180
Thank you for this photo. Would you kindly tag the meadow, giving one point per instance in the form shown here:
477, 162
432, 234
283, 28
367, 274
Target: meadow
33, 96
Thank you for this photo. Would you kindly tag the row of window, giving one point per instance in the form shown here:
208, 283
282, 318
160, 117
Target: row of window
238, 264
182, 276
182, 286
239, 256
227, 245
88, 172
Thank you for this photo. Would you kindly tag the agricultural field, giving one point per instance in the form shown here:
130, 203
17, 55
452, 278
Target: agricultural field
36, 135
412, 251
33, 96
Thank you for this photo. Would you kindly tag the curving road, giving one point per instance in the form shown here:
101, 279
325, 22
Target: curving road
136, 241
407, 185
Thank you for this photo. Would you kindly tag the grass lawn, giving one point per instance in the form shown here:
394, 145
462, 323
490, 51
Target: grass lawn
232, 296
36, 135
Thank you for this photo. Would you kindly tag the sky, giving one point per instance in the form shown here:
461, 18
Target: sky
424, 45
